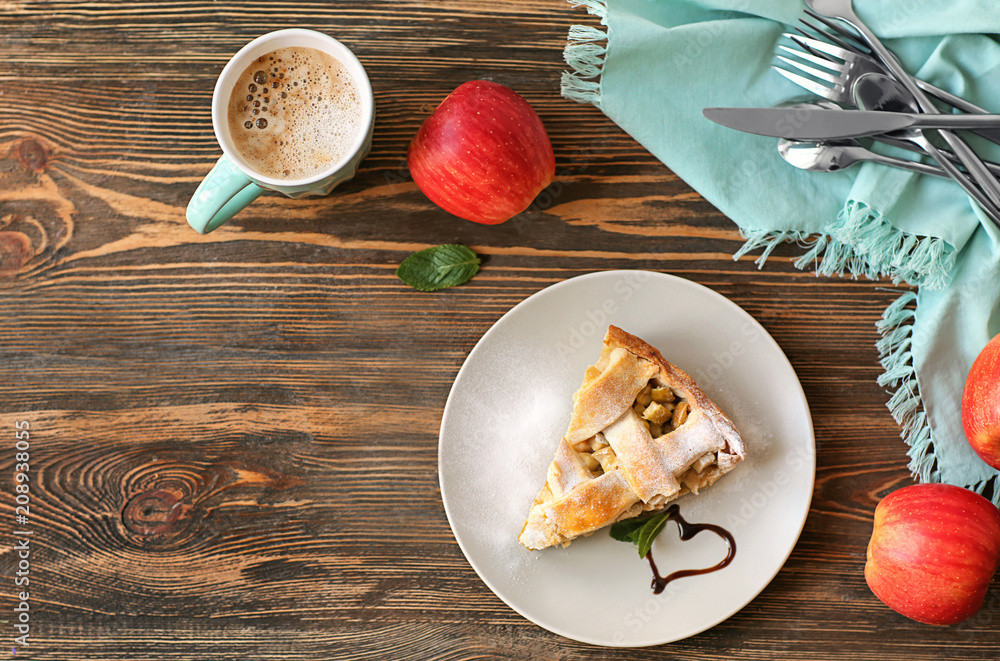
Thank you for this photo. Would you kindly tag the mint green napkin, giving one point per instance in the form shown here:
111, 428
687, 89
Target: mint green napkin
653, 65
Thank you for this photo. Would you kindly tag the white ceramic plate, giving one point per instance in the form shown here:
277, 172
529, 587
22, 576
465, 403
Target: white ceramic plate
510, 405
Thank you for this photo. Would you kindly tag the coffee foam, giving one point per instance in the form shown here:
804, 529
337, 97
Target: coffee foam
294, 112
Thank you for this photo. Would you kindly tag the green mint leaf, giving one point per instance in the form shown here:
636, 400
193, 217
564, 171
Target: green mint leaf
625, 531
640, 531
438, 267
648, 532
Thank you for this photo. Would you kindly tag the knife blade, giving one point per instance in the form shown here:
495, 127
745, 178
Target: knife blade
822, 124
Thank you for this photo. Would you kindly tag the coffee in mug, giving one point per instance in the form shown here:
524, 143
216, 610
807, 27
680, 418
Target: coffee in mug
294, 112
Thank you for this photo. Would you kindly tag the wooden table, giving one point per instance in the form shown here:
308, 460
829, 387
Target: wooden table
233, 438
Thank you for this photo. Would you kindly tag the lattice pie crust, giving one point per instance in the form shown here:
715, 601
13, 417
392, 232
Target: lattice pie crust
642, 433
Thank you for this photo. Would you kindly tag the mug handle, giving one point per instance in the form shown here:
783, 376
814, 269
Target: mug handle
220, 196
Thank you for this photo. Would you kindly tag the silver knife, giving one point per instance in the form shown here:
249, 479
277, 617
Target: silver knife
816, 124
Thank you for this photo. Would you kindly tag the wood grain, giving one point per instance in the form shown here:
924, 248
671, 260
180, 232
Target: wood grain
234, 437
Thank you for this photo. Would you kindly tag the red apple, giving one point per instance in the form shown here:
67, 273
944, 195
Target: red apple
483, 154
933, 552
981, 404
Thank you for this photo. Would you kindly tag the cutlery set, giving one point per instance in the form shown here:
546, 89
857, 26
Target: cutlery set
866, 93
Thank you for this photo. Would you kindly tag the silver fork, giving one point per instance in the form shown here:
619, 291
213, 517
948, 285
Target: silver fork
837, 44
841, 73
839, 88
979, 183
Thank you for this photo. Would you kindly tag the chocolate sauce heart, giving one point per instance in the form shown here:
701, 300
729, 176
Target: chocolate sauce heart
687, 531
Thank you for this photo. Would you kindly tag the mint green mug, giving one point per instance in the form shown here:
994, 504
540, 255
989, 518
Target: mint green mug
257, 154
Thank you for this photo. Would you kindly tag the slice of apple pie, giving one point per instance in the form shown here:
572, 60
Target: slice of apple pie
642, 433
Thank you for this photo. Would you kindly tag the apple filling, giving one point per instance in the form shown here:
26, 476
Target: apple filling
662, 411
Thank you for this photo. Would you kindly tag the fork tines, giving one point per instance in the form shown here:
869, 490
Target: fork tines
816, 60
826, 49
826, 57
